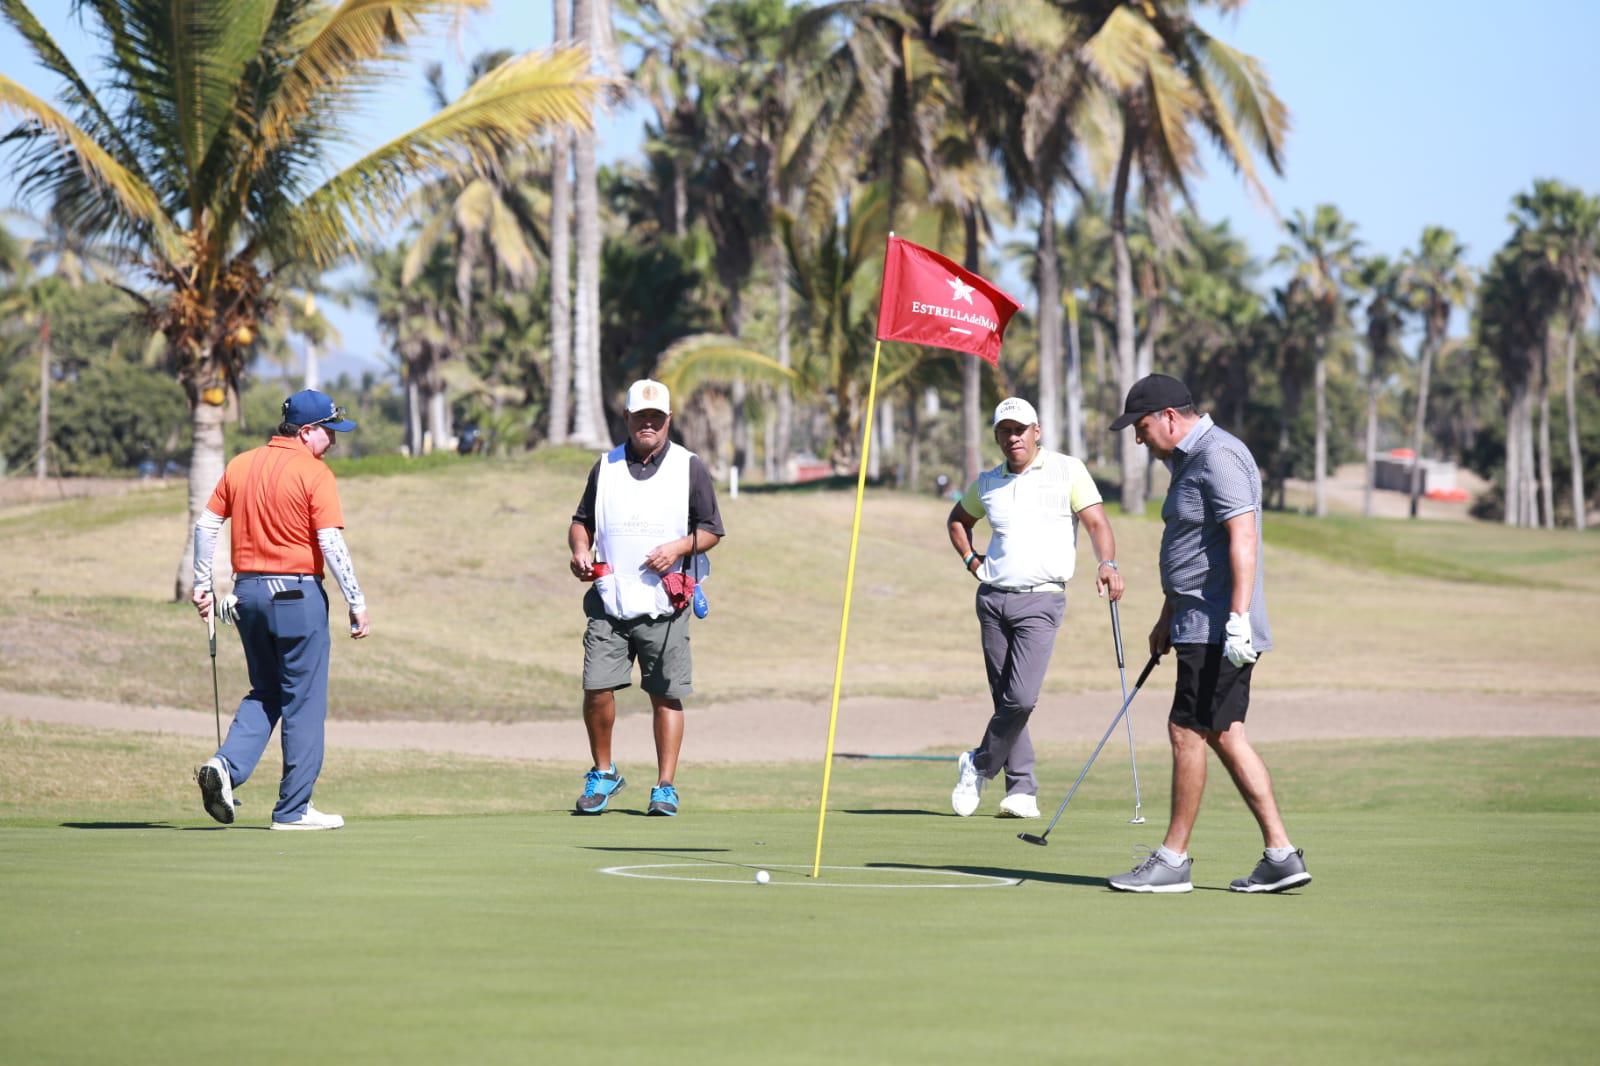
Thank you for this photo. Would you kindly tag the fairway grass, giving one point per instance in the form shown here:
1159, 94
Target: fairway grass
1451, 919
476, 616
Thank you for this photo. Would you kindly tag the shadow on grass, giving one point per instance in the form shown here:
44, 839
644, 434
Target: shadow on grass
651, 851
1002, 871
903, 810
146, 825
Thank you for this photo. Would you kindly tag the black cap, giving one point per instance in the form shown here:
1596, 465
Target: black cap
1157, 392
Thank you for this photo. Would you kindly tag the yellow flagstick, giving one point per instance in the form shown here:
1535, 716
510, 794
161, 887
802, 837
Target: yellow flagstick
844, 619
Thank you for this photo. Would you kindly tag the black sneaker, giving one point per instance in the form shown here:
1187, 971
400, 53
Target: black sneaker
598, 788
216, 790
1270, 876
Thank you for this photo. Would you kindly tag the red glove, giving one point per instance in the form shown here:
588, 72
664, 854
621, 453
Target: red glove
680, 589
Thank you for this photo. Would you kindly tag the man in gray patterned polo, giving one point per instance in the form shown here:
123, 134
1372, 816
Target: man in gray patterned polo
1215, 617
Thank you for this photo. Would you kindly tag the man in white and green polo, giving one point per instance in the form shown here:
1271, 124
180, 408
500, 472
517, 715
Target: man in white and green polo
1034, 501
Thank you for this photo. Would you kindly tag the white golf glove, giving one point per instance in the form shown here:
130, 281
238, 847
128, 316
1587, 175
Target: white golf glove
228, 610
1237, 646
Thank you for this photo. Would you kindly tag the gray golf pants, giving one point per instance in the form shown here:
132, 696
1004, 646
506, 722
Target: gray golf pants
1019, 633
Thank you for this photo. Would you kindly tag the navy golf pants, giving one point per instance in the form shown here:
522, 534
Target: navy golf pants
283, 625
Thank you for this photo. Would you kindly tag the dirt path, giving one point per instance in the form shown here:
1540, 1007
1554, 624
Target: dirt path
783, 731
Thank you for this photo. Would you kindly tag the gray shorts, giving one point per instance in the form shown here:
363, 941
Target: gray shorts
661, 645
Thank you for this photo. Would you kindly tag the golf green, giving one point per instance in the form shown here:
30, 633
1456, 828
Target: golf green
1433, 931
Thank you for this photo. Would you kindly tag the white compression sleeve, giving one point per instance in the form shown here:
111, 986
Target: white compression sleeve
337, 555
205, 545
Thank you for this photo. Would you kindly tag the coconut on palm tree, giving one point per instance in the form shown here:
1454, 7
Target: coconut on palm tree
205, 154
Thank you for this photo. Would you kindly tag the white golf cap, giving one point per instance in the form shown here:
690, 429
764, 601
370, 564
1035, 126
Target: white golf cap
1016, 409
647, 395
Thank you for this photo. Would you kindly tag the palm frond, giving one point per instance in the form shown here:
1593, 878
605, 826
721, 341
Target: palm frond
502, 109
136, 200
335, 50
709, 358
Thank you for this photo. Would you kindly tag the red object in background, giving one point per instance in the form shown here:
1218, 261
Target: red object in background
1448, 495
928, 299
1402, 453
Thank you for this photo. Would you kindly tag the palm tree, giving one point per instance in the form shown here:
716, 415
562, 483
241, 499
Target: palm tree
1438, 281
1321, 252
1559, 232
561, 257
1166, 78
204, 155
591, 26
1384, 283
1513, 310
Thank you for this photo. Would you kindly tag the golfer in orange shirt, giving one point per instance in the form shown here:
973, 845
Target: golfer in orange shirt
286, 524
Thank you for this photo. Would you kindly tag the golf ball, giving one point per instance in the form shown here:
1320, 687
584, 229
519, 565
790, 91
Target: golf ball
762, 877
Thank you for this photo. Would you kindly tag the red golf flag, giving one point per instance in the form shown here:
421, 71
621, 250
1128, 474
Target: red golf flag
928, 299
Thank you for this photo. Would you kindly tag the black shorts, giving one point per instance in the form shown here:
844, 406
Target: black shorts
1212, 693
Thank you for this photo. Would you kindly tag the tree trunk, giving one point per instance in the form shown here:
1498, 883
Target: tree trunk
784, 429
42, 461
1320, 379
313, 376
913, 478
1104, 408
971, 381
1049, 325
1547, 494
1530, 483
1579, 504
561, 260
1133, 487
586, 429
1430, 345
413, 415
1513, 471
1076, 444
439, 427
206, 460
1372, 435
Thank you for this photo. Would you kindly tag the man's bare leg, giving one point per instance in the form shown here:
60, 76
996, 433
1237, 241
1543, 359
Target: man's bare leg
599, 715
1250, 775
669, 735
1188, 784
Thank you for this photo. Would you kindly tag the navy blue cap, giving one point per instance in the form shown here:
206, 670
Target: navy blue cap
312, 408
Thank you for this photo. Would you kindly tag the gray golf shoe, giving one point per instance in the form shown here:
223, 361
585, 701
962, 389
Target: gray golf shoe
216, 790
1153, 874
1269, 876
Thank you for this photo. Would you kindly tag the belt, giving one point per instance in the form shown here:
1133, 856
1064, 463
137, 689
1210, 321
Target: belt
1048, 586
276, 577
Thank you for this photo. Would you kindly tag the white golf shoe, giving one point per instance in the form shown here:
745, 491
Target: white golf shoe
1019, 805
312, 819
216, 789
969, 786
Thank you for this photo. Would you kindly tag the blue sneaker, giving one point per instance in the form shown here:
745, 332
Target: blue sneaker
663, 801
598, 788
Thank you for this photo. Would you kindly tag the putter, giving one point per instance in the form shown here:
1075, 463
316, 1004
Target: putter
211, 634
1122, 675
1040, 839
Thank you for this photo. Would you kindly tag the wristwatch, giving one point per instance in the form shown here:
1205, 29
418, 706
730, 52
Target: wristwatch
1109, 562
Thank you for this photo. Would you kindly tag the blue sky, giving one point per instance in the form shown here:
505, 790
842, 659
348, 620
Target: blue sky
1406, 112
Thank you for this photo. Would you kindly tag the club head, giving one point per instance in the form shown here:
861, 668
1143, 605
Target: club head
1030, 838
1137, 819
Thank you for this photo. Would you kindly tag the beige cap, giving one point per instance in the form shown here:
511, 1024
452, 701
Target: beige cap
1015, 409
648, 395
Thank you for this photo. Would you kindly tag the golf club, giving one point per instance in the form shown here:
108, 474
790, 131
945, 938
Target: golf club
1122, 675
1137, 685
211, 634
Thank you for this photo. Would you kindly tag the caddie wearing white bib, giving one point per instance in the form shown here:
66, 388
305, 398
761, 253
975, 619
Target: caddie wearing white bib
648, 515
1034, 501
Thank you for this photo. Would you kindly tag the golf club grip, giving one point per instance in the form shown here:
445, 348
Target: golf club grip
1116, 632
1149, 666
